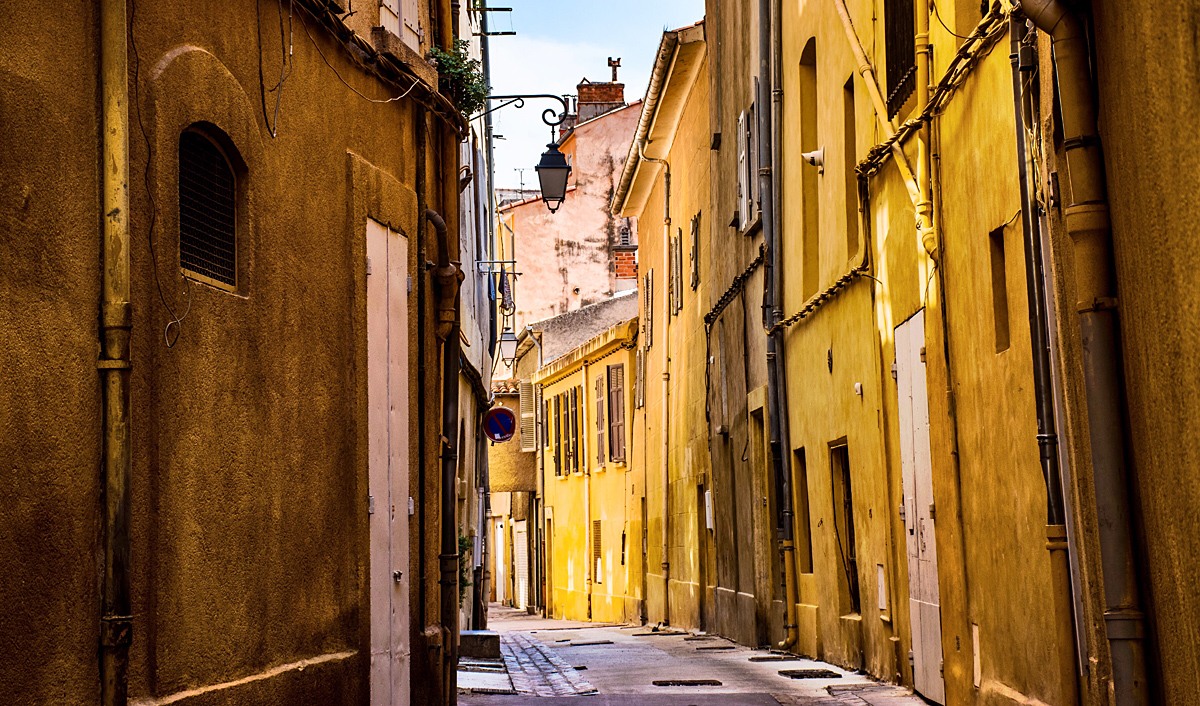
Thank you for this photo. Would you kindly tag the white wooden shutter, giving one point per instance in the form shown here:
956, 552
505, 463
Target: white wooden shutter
410, 18
648, 307
528, 418
389, 16
743, 165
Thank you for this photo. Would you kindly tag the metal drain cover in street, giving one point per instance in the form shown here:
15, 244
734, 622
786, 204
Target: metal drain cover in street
695, 638
686, 682
775, 658
809, 674
715, 647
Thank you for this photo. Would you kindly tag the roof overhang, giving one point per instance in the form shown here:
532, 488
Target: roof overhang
677, 67
600, 345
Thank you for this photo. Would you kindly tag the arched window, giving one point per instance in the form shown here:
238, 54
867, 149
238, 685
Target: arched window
207, 211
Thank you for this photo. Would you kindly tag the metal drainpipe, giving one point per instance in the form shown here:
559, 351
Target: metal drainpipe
1088, 224
116, 622
448, 276
776, 394
584, 456
924, 206
666, 383
1023, 63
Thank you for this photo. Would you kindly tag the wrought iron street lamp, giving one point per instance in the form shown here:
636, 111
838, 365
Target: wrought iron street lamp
553, 172
508, 346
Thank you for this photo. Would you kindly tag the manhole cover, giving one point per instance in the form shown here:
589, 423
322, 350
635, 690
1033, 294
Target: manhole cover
695, 638
809, 674
686, 682
661, 633
775, 658
715, 647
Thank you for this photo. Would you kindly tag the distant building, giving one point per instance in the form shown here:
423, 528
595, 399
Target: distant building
581, 254
516, 501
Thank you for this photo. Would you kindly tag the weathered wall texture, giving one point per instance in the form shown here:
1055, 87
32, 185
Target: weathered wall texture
1148, 65
249, 526
567, 258
743, 561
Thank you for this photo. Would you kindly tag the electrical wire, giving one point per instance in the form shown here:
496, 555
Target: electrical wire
938, 15
284, 70
176, 320
347, 85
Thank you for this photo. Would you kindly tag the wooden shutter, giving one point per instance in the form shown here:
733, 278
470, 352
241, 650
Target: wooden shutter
528, 417
574, 431
648, 307
558, 460
743, 165
694, 255
616, 412
600, 453
639, 380
677, 273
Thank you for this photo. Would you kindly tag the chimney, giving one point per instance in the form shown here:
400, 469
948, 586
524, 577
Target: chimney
599, 98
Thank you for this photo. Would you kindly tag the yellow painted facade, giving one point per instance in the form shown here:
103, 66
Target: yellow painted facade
670, 428
986, 514
924, 552
591, 492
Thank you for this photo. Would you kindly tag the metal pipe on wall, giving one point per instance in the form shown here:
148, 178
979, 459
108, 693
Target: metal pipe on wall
772, 313
116, 622
666, 382
448, 277
924, 206
1088, 225
1056, 531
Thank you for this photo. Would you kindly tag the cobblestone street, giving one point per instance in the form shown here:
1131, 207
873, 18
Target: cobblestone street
554, 661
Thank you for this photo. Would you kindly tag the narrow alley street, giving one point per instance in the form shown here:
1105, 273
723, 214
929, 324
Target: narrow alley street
546, 662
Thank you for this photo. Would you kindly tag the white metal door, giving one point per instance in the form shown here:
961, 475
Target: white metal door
917, 480
501, 578
387, 401
521, 563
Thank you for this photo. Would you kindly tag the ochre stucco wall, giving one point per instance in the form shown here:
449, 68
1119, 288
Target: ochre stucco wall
249, 531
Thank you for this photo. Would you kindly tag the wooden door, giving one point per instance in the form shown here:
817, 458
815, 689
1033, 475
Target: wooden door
917, 480
387, 471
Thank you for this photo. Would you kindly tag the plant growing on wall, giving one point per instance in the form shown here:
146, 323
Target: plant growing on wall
461, 78
465, 546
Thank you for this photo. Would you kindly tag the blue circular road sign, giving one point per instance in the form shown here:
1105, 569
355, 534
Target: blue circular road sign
499, 424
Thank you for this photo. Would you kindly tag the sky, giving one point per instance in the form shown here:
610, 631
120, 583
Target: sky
559, 43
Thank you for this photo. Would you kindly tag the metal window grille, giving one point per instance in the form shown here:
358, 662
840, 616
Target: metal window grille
207, 211
900, 21
596, 555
